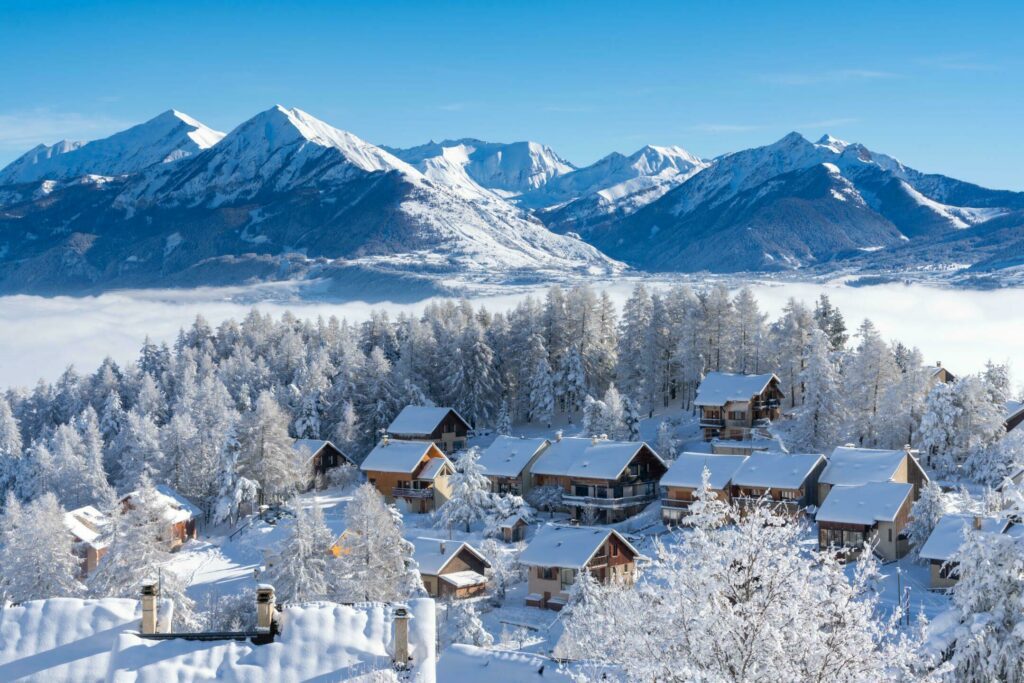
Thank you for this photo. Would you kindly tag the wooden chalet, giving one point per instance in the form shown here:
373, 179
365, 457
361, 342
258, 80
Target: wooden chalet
786, 482
507, 463
318, 457
178, 513
558, 553
450, 569
732, 406
939, 375
946, 538
88, 527
875, 513
513, 528
680, 484
439, 424
851, 466
616, 479
414, 473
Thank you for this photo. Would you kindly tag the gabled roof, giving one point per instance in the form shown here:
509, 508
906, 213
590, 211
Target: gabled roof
849, 466
718, 388
434, 554
588, 458
307, 448
557, 545
948, 534
177, 508
507, 456
687, 470
393, 455
866, 504
433, 468
776, 470
420, 420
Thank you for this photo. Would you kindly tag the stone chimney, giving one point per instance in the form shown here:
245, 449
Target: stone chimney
150, 592
938, 363
265, 605
385, 439
401, 624
977, 522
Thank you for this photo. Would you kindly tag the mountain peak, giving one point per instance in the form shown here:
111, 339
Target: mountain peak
833, 143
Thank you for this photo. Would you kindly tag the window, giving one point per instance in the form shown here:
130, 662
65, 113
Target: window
567, 578
890, 534
615, 551
789, 494
737, 415
547, 573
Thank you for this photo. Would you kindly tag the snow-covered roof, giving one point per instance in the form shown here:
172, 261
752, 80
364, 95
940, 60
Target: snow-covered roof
319, 641
557, 545
718, 388
588, 458
776, 470
432, 469
849, 466
462, 663
434, 554
394, 455
877, 501
687, 470
62, 639
420, 420
307, 448
948, 534
87, 524
464, 579
507, 456
177, 508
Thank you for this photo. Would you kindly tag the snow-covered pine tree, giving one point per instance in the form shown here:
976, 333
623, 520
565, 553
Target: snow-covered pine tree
36, 556
830, 321
925, 514
139, 448
635, 360
376, 562
463, 625
903, 402
570, 381
472, 384
749, 333
471, 498
707, 511
232, 490
541, 388
302, 574
819, 423
547, 498
94, 475
665, 443
503, 425
267, 454
631, 419
790, 335
871, 373
10, 448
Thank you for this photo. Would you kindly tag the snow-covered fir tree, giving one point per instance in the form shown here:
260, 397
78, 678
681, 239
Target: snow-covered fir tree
462, 625
376, 562
138, 448
665, 443
926, 513
541, 387
707, 511
268, 456
36, 556
232, 489
471, 498
10, 449
503, 424
820, 421
636, 360
871, 372
302, 572
830, 321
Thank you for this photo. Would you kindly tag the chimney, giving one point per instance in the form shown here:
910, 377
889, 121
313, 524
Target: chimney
977, 522
558, 435
442, 547
265, 604
385, 440
938, 363
594, 438
150, 593
401, 619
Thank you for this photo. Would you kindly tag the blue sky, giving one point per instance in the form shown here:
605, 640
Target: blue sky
939, 85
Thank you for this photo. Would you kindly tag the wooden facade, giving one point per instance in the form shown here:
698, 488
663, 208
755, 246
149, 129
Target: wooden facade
612, 500
417, 493
464, 560
737, 419
613, 562
449, 434
886, 538
676, 501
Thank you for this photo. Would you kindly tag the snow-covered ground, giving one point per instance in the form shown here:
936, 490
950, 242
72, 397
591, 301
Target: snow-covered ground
41, 335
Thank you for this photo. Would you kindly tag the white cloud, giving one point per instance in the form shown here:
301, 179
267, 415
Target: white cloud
40, 336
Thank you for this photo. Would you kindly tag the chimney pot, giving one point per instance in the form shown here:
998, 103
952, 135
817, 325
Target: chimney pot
977, 522
385, 440
558, 435
265, 606
150, 593
401, 625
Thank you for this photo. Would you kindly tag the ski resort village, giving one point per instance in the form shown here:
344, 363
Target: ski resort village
680, 490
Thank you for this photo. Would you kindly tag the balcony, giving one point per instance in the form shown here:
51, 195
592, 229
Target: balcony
608, 503
676, 504
712, 422
401, 492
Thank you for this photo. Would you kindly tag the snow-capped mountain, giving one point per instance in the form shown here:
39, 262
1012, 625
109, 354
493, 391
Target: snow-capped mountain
282, 191
795, 203
509, 169
612, 188
168, 137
